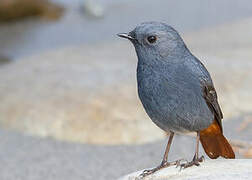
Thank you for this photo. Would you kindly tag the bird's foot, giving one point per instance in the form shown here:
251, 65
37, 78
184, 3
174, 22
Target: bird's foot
195, 161
164, 164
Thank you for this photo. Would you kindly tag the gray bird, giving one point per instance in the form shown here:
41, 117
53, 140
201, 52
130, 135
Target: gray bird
177, 91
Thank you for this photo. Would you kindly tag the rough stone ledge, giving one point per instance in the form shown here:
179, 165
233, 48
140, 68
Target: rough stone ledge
221, 169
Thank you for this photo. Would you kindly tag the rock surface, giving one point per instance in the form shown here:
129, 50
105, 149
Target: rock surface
88, 94
212, 169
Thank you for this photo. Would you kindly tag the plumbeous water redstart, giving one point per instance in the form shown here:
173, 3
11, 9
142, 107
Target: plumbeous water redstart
177, 91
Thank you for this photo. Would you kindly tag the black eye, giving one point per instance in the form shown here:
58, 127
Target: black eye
152, 39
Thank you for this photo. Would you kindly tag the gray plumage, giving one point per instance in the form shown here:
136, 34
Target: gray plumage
174, 87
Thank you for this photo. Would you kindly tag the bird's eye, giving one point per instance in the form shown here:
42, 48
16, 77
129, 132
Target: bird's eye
152, 39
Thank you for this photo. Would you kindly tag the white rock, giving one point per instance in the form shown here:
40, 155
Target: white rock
221, 169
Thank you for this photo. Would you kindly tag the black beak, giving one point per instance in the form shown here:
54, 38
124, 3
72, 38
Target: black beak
125, 35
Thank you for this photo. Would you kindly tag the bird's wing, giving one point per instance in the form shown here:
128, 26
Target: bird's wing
209, 92
210, 96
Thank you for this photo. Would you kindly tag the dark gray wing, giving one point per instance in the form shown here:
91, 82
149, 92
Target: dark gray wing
210, 95
209, 92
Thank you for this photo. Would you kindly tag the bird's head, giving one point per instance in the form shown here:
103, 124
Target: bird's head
156, 40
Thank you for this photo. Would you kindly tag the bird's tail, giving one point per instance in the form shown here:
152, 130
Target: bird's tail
214, 143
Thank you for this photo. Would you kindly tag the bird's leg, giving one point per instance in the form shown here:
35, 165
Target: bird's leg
196, 160
164, 162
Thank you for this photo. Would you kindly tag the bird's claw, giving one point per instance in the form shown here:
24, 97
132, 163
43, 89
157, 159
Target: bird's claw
195, 162
178, 162
161, 166
146, 173
151, 171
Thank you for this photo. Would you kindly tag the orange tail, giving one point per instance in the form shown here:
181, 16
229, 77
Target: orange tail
214, 143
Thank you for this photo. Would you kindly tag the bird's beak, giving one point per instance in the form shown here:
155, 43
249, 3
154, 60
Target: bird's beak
125, 35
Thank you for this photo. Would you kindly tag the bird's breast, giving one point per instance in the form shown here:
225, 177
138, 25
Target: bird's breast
158, 95
172, 100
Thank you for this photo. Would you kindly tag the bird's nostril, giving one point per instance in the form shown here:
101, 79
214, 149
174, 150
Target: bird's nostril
132, 34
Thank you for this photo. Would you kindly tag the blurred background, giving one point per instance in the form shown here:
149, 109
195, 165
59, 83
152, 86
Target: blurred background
68, 100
